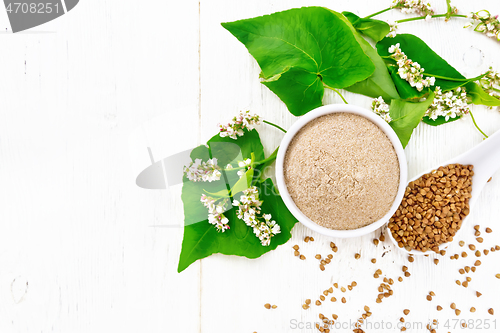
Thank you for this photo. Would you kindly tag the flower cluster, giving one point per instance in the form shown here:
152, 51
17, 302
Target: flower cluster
207, 171
215, 212
381, 108
491, 83
413, 6
236, 126
392, 33
488, 24
246, 164
409, 70
450, 104
249, 209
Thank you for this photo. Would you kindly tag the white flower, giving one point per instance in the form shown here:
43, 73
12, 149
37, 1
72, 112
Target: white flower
409, 70
249, 210
207, 171
392, 32
236, 126
381, 108
491, 83
246, 164
215, 212
486, 23
413, 6
392, 48
451, 104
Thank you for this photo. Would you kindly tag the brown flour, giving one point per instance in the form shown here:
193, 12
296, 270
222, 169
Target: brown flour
342, 171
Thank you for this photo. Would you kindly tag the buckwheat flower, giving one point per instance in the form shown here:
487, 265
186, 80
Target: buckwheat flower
450, 104
249, 211
236, 126
409, 70
215, 212
392, 32
413, 6
486, 23
491, 83
381, 108
246, 164
207, 171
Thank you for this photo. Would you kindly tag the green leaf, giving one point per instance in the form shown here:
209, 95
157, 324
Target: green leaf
264, 166
221, 194
378, 84
194, 211
202, 239
375, 29
297, 88
440, 120
406, 116
479, 97
406, 91
243, 183
418, 51
230, 151
298, 48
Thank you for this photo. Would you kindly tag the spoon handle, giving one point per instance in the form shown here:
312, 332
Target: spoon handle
486, 160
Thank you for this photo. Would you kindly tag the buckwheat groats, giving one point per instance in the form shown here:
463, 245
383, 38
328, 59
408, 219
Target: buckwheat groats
433, 208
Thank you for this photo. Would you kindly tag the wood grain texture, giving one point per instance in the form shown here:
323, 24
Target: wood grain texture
83, 249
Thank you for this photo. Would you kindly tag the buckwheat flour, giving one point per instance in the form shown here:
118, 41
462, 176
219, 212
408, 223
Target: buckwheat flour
342, 171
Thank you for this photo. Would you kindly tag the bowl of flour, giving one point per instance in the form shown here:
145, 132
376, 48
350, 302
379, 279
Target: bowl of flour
341, 170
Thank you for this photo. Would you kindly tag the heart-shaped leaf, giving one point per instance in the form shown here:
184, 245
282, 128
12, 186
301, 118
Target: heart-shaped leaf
301, 49
406, 116
201, 239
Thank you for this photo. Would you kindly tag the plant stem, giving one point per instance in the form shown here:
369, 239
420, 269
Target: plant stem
233, 169
445, 78
455, 79
278, 127
271, 157
433, 16
338, 92
380, 12
474, 121
448, 10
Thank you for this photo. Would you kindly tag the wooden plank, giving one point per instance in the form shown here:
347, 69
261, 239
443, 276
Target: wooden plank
77, 249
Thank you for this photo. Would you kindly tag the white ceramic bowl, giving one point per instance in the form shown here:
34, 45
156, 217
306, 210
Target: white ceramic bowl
321, 111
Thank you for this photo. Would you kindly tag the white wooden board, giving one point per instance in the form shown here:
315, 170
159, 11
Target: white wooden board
83, 249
